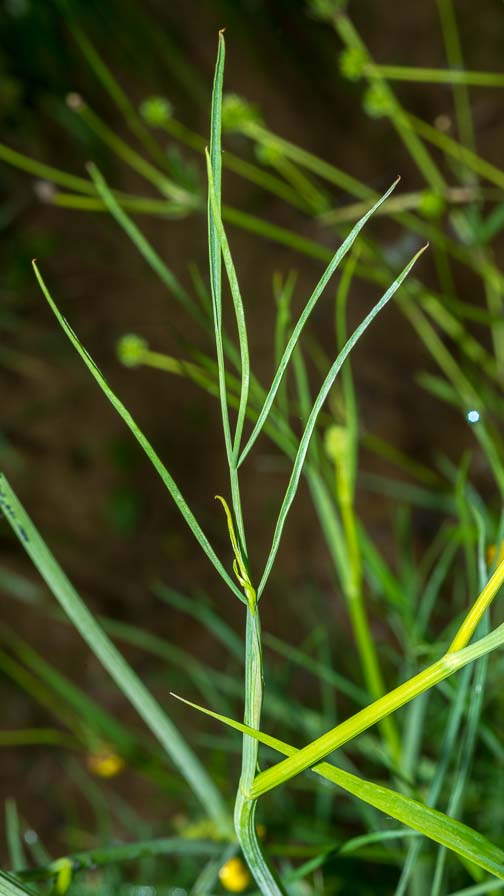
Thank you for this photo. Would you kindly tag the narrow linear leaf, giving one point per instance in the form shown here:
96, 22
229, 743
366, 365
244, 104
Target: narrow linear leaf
156, 462
115, 664
214, 250
312, 301
216, 164
14, 839
312, 420
142, 244
129, 852
375, 712
439, 827
238, 307
9, 886
477, 611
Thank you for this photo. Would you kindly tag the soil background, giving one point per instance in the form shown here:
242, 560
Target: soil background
86, 484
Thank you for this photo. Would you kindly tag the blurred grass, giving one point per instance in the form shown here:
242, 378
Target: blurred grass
409, 594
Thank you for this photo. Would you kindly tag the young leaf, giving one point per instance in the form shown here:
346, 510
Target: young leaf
238, 307
158, 465
312, 301
214, 250
312, 420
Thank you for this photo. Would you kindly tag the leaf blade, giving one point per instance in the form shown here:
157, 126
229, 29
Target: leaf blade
319, 401
296, 333
155, 460
113, 661
439, 827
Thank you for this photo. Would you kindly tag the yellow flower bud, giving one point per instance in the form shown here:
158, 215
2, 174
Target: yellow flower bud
105, 764
234, 875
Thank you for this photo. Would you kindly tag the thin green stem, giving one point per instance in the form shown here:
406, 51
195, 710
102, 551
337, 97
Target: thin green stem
455, 58
457, 151
115, 91
310, 755
133, 159
478, 610
244, 813
236, 164
435, 75
394, 110
45, 172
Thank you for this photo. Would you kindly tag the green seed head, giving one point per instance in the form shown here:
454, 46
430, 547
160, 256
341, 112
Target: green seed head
376, 101
431, 204
352, 63
131, 350
268, 154
156, 110
237, 112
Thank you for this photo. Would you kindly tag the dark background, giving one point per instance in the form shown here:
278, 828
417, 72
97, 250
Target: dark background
85, 483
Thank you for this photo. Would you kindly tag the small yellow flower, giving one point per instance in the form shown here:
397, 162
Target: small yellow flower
105, 764
234, 875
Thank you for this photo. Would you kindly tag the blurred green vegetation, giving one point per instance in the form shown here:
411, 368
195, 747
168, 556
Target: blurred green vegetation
404, 505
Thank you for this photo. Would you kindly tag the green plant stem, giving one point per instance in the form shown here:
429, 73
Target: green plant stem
455, 59
140, 205
253, 173
245, 806
133, 159
360, 624
457, 151
310, 755
478, 610
45, 172
435, 75
398, 118
244, 813
115, 91
129, 852
406, 202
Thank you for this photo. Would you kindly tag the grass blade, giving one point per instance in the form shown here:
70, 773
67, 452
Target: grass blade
130, 852
14, 839
479, 609
9, 886
117, 667
444, 830
214, 250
